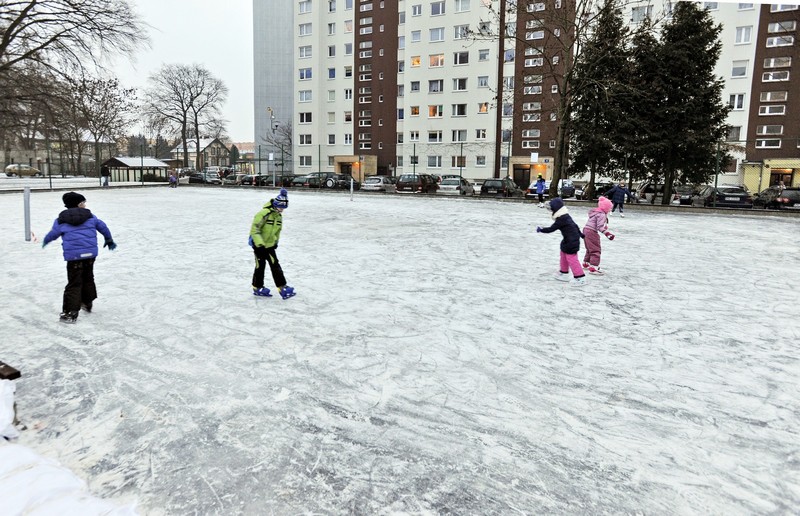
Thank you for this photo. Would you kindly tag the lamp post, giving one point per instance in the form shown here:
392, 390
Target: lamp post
141, 170
360, 170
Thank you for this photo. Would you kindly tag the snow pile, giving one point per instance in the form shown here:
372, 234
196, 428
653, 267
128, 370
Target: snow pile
7, 429
32, 484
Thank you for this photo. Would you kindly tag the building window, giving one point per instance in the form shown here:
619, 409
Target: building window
532, 90
460, 31
780, 41
459, 109
775, 76
774, 96
461, 6
736, 101
436, 86
461, 58
331, 29
458, 161
554, 88
460, 84
332, 51
348, 93
414, 110
436, 60
480, 161
305, 6
772, 110
416, 10
779, 8
640, 14
530, 144
531, 133
331, 117
331, 139
348, 117
437, 34
743, 34
745, 7
304, 29
768, 144
508, 109
769, 130
435, 111
401, 90
399, 137
483, 107
348, 71
401, 16
305, 139
532, 106
414, 86
483, 81
413, 136
711, 6
304, 96
459, 135
531, 117
508, 83
401, 42
331, 6
401, 114
348, 139
348, 49
434, 162
305, 51
782, 26
437, 8
534, 61
416, 36
483, 54
534, 35
305, 74
331, 95
480, 134
434, 136
305, 161
305, 118
777, 62
739, 69
734, 133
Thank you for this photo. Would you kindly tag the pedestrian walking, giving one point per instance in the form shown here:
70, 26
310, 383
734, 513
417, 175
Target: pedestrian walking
173, 181
265, 232
570, 242
105, 173
78, 228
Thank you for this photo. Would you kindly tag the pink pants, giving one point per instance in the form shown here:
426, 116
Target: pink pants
570, 261
592, 243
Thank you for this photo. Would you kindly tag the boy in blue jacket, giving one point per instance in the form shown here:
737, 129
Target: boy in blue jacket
78, 229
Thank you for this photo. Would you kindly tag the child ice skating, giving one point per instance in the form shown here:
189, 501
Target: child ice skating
78, 229
617, 195
597, 224
264, 235
540, 187
570, 242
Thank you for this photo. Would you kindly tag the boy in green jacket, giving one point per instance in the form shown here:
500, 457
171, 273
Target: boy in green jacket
264, 235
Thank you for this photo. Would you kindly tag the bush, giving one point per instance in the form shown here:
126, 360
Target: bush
154, 178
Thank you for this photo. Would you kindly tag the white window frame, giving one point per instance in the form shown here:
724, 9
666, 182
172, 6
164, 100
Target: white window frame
778, 62
304, 52
438, 8
780, 41
774, 96
305, 29
304, 96
736, 101
772, 143
776, 76
461, 58
744, 35
782, 26
741, 67
436, 34
764, 130
772, 110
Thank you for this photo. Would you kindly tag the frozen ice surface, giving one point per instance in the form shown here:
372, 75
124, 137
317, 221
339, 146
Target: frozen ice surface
429, 363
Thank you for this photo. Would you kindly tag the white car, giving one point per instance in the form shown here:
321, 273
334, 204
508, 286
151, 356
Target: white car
456, 186
378, 184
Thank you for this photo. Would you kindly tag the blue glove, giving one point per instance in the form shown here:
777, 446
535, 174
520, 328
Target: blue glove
110, 244
538, 229
250, 242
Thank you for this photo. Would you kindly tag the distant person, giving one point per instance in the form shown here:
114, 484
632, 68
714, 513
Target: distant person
106, 174
570, 242
173, 181
265, 232
596, 225
78, 229
540, 186
617, 194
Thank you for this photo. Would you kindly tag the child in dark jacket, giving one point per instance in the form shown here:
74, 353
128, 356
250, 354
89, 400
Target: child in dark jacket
617, 195
78, 229
597, 224
570, 243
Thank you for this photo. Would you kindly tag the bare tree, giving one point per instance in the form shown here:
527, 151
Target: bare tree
185, 101
280, 138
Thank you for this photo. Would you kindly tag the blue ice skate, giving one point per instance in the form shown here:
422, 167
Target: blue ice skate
287, 292
263, 291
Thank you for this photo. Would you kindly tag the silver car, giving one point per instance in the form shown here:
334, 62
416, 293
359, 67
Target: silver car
456, 186
378, 184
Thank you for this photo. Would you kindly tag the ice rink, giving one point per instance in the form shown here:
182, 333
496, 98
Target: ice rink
429, 363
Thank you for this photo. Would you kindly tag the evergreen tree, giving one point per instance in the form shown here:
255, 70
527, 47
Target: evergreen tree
234, 155
599, 121
693, 115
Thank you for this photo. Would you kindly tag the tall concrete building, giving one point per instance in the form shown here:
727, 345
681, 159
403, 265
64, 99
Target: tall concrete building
274, 68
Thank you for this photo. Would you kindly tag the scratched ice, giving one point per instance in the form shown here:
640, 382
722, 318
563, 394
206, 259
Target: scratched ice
429, 363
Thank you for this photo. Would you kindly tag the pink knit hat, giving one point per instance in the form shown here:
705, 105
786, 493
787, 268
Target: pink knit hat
604, 204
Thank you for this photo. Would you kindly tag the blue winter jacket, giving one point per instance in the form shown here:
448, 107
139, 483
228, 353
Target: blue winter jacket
540, 186
78, 229
618, 194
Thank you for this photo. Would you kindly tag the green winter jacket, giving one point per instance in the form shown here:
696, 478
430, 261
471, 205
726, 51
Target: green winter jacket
266, 228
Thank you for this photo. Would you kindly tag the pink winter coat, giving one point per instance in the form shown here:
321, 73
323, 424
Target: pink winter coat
598, 221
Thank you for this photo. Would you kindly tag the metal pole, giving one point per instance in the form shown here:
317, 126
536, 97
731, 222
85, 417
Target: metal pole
141, 171
414, 159
716, 177
27, 208
461, 162
259, 163
351, 188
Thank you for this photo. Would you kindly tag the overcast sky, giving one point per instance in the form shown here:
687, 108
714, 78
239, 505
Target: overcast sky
216, 35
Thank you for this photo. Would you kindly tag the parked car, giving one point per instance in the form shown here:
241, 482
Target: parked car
233, 179
341, 181
317, 179
774, 198
722, 197
682, 194
299, 182
566, 189
18, 169
416, 183
378, 184
649, 192
600, 188
456, 186
248, 180
205, 179
501, 188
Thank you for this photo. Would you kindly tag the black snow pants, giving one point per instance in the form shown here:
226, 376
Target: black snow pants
80, 285
266, 255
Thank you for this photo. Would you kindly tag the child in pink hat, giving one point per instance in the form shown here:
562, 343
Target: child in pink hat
597, 223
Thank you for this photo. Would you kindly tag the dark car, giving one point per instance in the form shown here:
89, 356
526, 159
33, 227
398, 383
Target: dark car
600, 188
649, 192
722, 197
207, 179
416, 183
300, 182
501, 188
341, 181
317, 179
775, 198
566, 189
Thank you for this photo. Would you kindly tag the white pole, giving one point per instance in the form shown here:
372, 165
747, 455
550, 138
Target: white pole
27, 204
351, 188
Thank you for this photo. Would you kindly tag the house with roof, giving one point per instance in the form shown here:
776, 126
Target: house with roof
126, 168
213, 153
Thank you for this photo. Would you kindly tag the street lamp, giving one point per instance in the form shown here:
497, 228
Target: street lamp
360, 170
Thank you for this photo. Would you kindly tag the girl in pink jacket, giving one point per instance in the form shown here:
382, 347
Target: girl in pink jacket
597, 223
